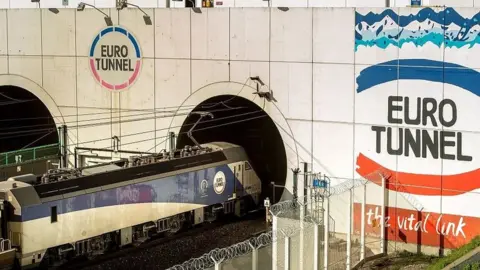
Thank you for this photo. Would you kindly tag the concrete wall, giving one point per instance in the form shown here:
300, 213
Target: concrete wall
332, 71
238, 3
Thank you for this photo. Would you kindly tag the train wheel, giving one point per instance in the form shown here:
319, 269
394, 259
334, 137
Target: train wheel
176, 223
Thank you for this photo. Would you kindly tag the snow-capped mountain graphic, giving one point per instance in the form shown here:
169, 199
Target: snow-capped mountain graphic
446, 27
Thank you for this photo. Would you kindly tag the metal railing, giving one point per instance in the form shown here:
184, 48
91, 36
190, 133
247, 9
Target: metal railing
28, 154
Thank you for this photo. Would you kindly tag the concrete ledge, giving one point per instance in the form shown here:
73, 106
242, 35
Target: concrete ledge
462, 259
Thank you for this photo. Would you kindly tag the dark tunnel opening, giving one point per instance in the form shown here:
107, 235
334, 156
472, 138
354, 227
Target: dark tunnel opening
242, 122
25, 121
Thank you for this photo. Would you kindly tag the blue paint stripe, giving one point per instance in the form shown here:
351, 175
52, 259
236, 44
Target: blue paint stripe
135, 44
94, 44
106, 31
419, 69
121, 30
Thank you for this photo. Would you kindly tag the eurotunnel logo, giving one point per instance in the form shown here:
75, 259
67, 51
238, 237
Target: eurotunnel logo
115, 58
219, 182
412, 114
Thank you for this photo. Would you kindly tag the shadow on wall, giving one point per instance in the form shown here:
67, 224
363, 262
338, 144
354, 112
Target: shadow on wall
24, 120
240, 121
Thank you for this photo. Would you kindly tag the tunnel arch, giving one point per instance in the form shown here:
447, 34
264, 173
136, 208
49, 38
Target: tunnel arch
29, 114
264, 139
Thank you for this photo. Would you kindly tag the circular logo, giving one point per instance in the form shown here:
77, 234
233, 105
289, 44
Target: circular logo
219, 182
115, 58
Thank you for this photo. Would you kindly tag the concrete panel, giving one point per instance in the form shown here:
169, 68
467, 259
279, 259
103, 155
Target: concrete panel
89, 23
4, 4
90, 93
94, 128
3, 65
172, 33
58, 32
144, 3
333, 155
370, 48
172, 82
163, 3
326, 3
142, 94
333, 92
59, 79
289, 3
27, 66
291, 35
24, 40
241, 71
367, 3
207, 71
132, 19
246, 3
210, 39
448, 3
429, 50
333, 44
292, 87
249, 34
302, 132
162, 127
137, 135
105, 3
22, 4
3, 32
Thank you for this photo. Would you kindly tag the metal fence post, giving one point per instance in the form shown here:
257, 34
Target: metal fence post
274, 241
287, 252
218, 265
254, 257
326, 221
382, 222
316, 247
362, 228
349, 228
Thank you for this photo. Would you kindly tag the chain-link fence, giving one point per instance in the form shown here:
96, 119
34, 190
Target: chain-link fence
328, 228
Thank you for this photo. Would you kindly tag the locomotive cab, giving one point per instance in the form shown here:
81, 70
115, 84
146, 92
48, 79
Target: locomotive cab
7, 253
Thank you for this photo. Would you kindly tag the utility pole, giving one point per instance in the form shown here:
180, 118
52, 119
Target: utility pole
63, 144
295, 183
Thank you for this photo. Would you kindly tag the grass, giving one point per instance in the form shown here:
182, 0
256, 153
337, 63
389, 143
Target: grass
456, 254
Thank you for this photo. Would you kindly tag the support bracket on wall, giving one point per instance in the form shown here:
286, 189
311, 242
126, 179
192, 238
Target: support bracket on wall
267, 95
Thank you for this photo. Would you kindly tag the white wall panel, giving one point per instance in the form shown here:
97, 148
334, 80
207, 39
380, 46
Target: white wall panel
291, 35
24, 40
22, 4
141, 94
292, 87
302, 131
449, 3
132, 19
208, 71
330, 44
367, 3
333, 92
249, 34
137, 135
143, 3
241, 71
3, 32
59, 79
289, 3
29, 67
3, 64
172, 33
210, 30
58, 32
333, 154
104, 3
326, 3
172, 82
89, 23
4, 4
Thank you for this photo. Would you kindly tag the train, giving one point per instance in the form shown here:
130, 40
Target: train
69, 213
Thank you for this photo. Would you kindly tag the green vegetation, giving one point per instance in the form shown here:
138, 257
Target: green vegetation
475, 266
456, 254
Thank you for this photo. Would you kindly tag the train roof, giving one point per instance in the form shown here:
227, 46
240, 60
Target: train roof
98, 178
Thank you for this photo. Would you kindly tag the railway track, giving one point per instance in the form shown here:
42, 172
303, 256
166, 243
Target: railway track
140, 254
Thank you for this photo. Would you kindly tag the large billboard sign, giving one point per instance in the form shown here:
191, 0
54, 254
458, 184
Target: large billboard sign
115, 58
417, 101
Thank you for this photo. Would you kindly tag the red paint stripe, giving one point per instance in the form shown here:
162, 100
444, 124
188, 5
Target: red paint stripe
419, 184
135, 73
121, 86
94, 70
107, 85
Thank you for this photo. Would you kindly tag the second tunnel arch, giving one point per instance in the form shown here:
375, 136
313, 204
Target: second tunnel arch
240, 121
